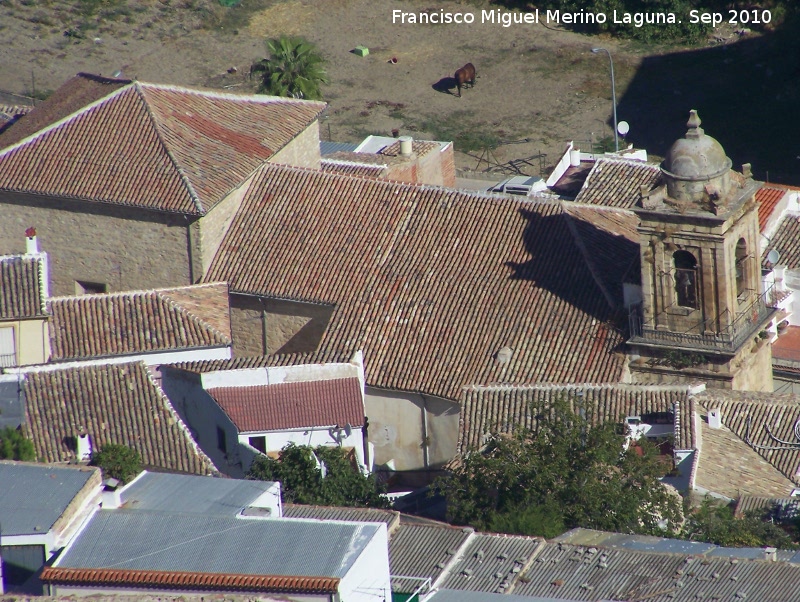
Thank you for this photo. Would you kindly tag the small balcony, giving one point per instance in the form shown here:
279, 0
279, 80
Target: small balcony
747, 324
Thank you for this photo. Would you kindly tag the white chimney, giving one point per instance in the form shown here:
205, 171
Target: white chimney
574, 157
715, 419
110, 497
31, 243
771, 554
84, 447
406, 145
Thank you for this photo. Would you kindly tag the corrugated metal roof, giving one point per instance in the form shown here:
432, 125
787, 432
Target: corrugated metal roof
491, 563
451, 595
192, 494
361, 515
665, 546
326, 147
162, 541
422, 551
33, 498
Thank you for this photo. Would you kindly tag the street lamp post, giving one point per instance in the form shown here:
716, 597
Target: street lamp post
613, 94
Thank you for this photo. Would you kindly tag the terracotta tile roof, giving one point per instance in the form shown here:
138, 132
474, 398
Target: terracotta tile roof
135, 322
362, 158
117, 403
763, 421
76, 93
767, 197
155, 147
609, 241
784, 508
352, 168
618, 182
185, 580
571, 182
264, 361
21, 291
504, 408
786, 240
430, 282
292, 405
727, 466
787, 346
418, 147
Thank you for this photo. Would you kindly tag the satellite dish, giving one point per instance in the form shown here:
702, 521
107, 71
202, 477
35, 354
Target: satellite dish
773, 257
623, 128
348, 429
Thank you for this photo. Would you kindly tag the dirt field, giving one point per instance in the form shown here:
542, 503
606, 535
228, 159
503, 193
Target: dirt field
537, 86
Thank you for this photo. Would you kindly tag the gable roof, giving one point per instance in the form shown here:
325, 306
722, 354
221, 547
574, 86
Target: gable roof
292, 405
157, 147
35, 497
353, 168
768, 197
135, 322
113, 403
765, 422
785, 240
505, 408
430, 282
267, 361
618, 182
22, 290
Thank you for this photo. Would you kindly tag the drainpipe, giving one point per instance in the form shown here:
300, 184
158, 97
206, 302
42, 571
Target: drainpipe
425, 448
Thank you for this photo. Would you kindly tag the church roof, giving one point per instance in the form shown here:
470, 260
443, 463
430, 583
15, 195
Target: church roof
430, 282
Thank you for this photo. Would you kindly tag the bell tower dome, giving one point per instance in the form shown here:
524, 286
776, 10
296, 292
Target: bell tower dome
703, 304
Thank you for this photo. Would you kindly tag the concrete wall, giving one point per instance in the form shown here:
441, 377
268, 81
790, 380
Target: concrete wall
262, 326
31, 339
122, 247
302, 151
419, 433
368, 579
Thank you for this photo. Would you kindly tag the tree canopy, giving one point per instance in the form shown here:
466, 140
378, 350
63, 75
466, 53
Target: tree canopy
118, 461
293, 68
562, 474
322, 475
15, 446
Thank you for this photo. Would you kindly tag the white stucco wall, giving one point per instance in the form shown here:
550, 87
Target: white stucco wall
328, 436
368, 579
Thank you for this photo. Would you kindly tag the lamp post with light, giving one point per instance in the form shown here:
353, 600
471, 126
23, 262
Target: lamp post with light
613, 94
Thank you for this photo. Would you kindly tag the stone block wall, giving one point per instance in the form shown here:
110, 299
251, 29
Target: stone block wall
302, 151
121, 247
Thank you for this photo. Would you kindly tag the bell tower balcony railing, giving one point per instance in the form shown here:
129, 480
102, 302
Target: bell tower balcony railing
745, 325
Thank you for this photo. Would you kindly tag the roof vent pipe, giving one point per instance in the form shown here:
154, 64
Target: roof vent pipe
406, 144
31, 243
84, 447
574, 157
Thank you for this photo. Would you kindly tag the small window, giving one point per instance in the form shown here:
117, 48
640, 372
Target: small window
8, 350
685, 278
222, 442
741, 267
90, 288
259, 443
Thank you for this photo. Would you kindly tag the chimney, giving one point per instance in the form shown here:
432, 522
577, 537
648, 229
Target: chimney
84, 447
715, 419
747, 170
406, 145
110, 496
31, 243
771, 554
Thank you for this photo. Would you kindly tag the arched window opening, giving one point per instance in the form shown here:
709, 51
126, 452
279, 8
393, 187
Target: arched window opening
741, 267
685, 278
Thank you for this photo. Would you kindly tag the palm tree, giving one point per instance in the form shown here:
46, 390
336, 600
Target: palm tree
294, 68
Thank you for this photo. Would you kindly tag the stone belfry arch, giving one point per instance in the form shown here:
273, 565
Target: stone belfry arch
703, 309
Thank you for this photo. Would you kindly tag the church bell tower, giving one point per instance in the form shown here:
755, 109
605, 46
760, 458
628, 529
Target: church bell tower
704, 311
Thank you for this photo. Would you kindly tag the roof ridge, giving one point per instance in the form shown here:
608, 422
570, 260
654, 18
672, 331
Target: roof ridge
611, 208
66, 119
157, 128
133, 292
589, 386
190, 314
346, 162
174, 414
637, 162
258, 98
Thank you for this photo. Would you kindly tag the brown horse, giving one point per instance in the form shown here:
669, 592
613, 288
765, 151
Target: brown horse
464, 76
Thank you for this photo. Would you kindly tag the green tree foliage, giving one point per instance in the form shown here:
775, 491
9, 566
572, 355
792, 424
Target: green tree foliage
293, 68
302, 480
15, 446
565, 473
118, 461
715, 523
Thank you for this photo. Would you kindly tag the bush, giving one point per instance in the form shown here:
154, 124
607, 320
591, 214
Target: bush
118, 462
15, 446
